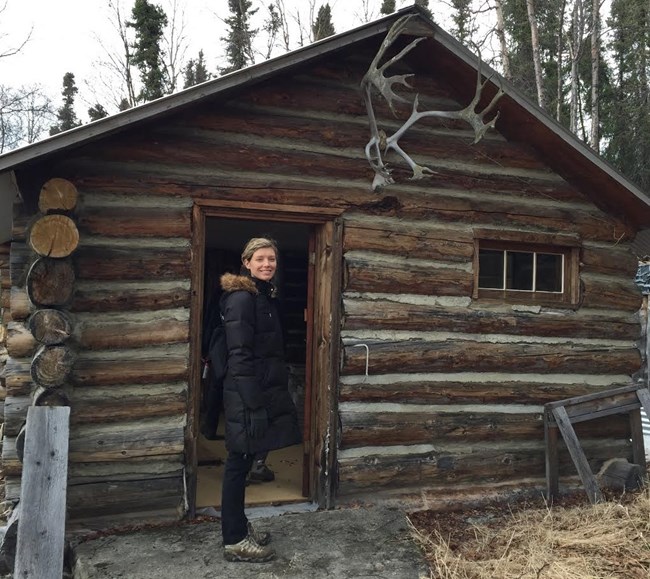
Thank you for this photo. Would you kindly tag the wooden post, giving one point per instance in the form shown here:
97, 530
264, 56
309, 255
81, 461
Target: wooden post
41, 528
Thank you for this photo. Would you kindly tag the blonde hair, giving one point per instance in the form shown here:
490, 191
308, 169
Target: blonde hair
257, 243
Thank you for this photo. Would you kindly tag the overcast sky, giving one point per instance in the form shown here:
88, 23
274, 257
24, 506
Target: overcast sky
66, 36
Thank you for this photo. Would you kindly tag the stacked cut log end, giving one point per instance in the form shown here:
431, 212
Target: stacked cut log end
44, 338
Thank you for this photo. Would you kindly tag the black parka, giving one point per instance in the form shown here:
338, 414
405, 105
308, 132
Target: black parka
257, 374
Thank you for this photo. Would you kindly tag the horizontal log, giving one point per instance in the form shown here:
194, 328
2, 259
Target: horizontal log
614, 294
54, 236
505, 391
127, 407
437, 244
57, 195
470, 356
50, 397
129, 299
50, 327
20, 341
485, 463
50, 282
401, 277
143, 371
410, 202
102, 263
52, 365
148, 467
122, 440
609, 261
20, 261
18, 377
135, 222
116, 497
398, 428
15, 413
125, 334
11, 465
21, 306
392, 315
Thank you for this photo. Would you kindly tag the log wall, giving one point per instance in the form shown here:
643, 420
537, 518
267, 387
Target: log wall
456, 386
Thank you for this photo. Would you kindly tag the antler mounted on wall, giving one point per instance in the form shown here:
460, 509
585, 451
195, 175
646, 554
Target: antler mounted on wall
380, 143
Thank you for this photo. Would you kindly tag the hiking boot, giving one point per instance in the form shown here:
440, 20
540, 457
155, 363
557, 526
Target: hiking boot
261, 473
262, 538
247, 550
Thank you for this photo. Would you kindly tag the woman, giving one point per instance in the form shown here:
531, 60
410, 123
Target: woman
260, 415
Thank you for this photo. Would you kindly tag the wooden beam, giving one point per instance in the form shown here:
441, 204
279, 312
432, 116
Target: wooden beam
579, 459
41, 528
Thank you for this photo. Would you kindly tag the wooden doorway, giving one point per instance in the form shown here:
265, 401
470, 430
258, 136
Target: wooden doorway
311, 249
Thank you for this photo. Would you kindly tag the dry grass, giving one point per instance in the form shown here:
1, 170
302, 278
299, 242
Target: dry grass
608, 540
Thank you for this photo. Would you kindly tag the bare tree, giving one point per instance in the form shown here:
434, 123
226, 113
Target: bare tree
25, 114
501, 35
537, 63
7, 48
575, 51
560, 61
175, 44
594, 137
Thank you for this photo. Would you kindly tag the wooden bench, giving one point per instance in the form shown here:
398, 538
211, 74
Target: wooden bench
41, 526
561, 415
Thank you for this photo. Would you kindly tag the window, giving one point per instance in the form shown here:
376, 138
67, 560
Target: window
526, 272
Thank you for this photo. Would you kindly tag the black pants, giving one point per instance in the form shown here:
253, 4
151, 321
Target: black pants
234, 524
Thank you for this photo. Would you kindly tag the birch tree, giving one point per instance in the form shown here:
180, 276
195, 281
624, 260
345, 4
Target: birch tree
501, 36
537, 64
594, 136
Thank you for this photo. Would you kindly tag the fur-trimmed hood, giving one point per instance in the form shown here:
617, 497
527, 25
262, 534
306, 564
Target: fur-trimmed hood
232, 283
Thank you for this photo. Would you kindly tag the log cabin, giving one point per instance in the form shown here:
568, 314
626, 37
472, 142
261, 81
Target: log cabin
429, 319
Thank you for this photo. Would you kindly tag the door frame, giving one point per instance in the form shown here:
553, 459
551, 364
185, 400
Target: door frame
323, 354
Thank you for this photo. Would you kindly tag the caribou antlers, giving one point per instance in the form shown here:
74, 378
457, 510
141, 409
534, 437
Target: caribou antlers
379, 143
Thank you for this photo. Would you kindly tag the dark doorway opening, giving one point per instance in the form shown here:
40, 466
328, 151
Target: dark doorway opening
224, 240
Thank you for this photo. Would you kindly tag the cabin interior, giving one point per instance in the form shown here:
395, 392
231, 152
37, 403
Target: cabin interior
225, 239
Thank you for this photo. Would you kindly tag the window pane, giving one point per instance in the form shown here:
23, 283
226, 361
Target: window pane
490, 268
519, 270
549, 272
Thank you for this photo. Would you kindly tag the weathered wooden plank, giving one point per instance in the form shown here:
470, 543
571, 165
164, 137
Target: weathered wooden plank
11, 465
135, 222
422, 427
88, 372
402, 277
382, 314
577, 455
471, 356
104, 263
134, 469
505, 391
41, 528
479, 464
122, 440
20, 261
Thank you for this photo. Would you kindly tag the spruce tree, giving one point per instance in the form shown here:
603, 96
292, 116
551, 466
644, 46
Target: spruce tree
239, 40
626, 113
387, 7
67, 119
323, 26
97, 112
149, 21
463, 28
424, 4
195, 71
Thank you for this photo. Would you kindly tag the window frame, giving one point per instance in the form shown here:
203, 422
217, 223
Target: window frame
520, 241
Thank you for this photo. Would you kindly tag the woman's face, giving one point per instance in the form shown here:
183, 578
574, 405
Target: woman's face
262, 264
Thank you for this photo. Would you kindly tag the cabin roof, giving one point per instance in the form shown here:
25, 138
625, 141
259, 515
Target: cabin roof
439, 54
